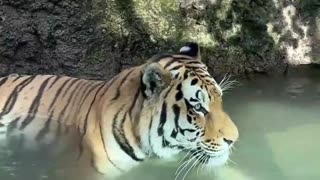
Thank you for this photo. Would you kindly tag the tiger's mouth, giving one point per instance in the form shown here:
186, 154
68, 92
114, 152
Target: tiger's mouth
211, 158
201, 159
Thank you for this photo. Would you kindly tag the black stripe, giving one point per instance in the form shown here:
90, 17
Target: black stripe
78, 91
89, 110
119, 86
189, 119
174, 133
58, 94
134, 103
87, 93
3, 80
16, 78
14, 95
35, 105
74, 81
169, 63
193, 100
72, 93
77, 96
166, 143
120, 136
176, 111
176, 76
193, 62
176, 67
163, 118
104, 147
109, 85
208, 89
179, 94
45, 129
55, 81
185, 75
143, 87
194, 81
189, 106
189, 130
82, 100
149, 133
13, 125
167, 93
179, 87
197, 94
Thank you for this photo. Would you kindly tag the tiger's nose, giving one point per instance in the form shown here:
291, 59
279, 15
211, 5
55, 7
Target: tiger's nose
228, 141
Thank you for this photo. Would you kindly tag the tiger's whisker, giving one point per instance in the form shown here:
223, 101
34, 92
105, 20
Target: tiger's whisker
194, 154
191, 167
201, 162
185, 164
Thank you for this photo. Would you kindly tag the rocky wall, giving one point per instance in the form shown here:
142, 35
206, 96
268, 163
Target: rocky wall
97, 38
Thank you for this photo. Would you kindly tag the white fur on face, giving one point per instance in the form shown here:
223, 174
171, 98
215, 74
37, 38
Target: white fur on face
219, 157
190, 91
218, 160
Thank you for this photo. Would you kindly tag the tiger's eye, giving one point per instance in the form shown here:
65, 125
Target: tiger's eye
197, 107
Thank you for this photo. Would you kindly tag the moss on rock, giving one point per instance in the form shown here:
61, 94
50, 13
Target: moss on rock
98, 38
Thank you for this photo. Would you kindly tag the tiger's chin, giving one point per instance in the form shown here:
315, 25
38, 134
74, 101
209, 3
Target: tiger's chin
215, 160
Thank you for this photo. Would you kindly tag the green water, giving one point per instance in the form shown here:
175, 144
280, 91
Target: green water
279, 124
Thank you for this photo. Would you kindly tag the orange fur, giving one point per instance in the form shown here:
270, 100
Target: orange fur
112, 118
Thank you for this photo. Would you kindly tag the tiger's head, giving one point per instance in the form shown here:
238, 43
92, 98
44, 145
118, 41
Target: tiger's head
186, 109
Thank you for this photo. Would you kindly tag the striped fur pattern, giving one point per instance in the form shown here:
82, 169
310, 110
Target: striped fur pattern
160, 108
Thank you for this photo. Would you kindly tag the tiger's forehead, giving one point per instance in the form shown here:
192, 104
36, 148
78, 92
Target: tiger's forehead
206, 90
185, 67
205, 80
194, 91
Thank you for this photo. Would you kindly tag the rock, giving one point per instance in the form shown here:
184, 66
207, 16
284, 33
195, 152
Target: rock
97, 39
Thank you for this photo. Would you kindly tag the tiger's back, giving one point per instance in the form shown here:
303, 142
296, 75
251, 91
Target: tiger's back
39, 109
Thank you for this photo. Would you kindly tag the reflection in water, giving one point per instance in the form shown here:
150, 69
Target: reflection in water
278, 120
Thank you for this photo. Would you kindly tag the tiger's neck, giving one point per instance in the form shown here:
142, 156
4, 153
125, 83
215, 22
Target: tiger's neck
119, 110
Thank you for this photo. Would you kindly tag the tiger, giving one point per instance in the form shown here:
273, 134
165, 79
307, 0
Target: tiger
165, 106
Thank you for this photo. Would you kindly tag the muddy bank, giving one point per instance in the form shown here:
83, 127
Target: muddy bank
97, 38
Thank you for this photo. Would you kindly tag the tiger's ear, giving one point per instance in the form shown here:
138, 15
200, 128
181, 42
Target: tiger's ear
191, 49
154, 79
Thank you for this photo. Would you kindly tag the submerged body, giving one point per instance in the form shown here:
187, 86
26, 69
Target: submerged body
160, 108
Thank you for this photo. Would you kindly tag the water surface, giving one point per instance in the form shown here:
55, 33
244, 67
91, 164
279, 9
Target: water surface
279, 124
